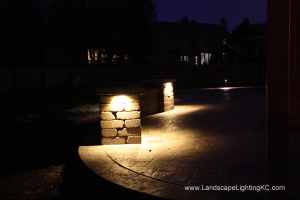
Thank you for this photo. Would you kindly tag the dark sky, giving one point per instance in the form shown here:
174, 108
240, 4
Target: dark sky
211, 11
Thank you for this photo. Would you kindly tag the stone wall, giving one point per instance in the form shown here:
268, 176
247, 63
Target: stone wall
149, 104
165, 92
120, 122
121, 109
168, 97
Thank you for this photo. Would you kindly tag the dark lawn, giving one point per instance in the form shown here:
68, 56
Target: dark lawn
39, 155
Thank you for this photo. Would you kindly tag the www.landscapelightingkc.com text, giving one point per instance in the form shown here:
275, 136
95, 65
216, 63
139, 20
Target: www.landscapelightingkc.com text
241, 188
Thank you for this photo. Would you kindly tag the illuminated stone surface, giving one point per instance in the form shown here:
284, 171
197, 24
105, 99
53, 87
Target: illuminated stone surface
111, 107
133, 98
132, 106
130, 131
132, 123
106, 99
107, 116
134, 140
109, 132
115, 140
112, 124
128, 115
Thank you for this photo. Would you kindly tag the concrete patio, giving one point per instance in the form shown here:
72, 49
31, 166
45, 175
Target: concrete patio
214, 136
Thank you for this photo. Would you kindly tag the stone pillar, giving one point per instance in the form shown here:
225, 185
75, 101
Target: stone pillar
165, 96
120, 115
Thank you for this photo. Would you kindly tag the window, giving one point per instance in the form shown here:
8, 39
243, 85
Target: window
205, 57
224, 41
196, 60
92, 54
186, 58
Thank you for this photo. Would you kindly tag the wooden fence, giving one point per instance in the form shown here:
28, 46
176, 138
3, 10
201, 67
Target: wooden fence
27, 78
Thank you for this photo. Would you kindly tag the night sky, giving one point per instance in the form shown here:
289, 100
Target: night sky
211, 11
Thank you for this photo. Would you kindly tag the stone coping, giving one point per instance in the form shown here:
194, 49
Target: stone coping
120, 90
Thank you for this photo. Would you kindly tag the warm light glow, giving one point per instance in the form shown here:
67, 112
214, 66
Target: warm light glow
224, 41
89, 55
169, 87
119, 102
96, 54
225, 82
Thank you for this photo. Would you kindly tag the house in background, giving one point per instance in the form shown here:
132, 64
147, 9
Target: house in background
195, 43
251, 39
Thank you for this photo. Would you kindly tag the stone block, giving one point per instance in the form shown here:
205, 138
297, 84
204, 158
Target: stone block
111, 107
161, 108
167, 108
152, 111
153, 106
133, 98
112, 124
151, 92
132, 106
169, 98
171, 102
172, 107
106, 99
134, 140
166, 104
151, 101
143, 103
166, 94
128, 115
130, 131
107, 116
109, 132
144, 108
167, 90
132, 123
111, 141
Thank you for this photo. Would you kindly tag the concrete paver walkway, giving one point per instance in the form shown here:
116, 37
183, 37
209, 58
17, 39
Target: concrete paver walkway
213, 137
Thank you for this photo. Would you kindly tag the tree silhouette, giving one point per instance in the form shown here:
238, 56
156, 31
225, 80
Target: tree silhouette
117, 26
21, 33
186, 20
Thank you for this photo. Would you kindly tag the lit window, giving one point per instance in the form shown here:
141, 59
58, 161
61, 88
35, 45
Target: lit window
186, 58
103, 54
196, 60
96, 54
202, 58
89, 55
92, 54
205, 57
224, 41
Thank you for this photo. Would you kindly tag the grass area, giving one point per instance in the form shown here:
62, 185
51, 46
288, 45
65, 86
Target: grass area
39, 137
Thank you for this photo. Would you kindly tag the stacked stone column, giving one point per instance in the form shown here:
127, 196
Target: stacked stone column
120, 116
168, 96
165, 95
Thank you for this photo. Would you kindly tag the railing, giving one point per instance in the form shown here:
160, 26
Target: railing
22, 78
